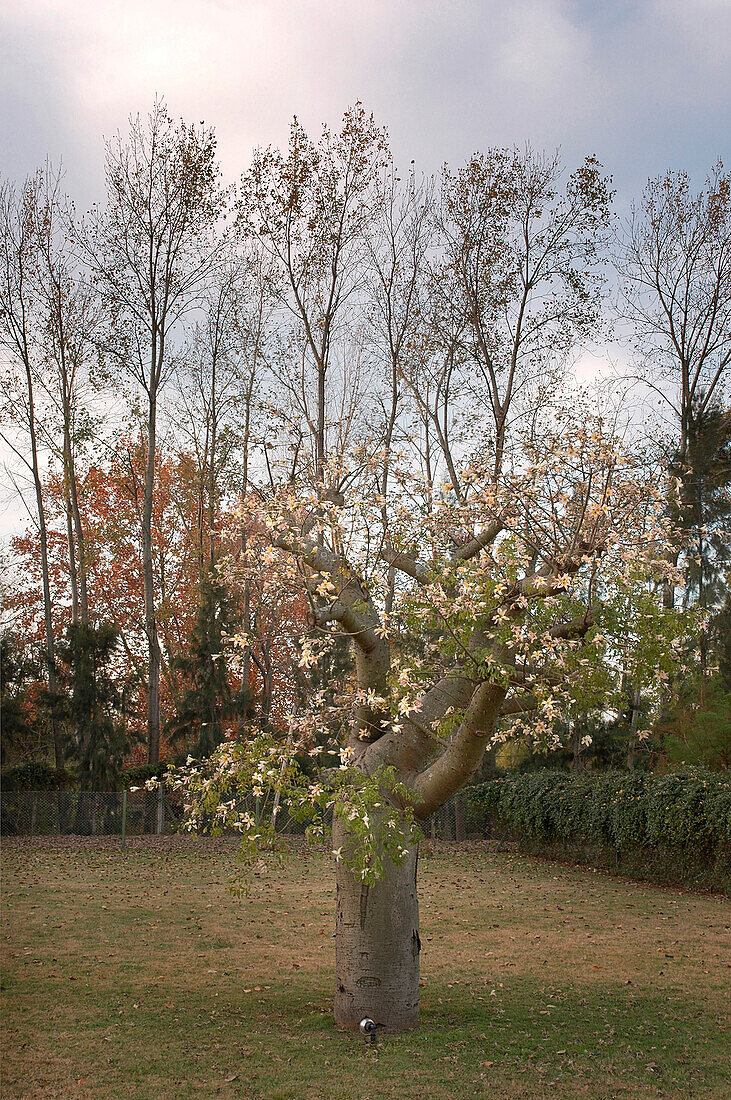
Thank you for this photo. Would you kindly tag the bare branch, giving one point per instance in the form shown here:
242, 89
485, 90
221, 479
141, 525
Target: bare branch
405, 563
485, 538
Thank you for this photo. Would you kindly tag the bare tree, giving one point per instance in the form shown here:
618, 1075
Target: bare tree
21, 324
71, 323
312, 210
220, 402
399, 247
519, 285
675, 265
149, 251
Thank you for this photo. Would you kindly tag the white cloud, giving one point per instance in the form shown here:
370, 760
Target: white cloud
542, 48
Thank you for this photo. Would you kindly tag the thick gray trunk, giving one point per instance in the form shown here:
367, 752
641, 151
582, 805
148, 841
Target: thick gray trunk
377, 946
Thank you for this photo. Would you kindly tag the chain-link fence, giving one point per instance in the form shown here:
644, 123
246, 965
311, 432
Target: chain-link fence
88, 813
139, 812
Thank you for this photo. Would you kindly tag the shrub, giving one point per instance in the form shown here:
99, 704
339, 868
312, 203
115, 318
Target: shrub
36, 775
678, 825
138, 775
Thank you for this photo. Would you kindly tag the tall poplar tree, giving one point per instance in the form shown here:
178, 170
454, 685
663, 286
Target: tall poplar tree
150, 250
676, 271
21, 312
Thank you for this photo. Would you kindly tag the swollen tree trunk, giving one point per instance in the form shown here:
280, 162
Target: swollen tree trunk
377, 926
377, 945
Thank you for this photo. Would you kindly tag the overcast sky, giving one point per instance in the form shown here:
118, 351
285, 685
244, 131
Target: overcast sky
643, 84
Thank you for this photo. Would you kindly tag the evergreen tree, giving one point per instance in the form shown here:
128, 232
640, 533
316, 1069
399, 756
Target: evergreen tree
92, 703
17, 674
702, 509
207, 699
722, 640
696, 729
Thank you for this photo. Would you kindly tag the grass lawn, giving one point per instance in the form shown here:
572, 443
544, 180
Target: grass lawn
138, 975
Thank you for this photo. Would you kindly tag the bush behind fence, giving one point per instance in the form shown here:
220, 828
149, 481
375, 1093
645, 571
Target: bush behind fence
87, 813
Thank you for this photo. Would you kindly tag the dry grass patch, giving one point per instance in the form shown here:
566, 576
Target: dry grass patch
138, 975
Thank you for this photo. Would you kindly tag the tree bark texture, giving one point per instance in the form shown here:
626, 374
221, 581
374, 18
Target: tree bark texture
45, 573
377, 946
153, 647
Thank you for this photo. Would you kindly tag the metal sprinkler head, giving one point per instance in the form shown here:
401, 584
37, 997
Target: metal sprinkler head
368, 1027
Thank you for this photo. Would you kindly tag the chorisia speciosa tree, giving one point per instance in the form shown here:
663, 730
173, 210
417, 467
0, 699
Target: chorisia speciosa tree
490, 552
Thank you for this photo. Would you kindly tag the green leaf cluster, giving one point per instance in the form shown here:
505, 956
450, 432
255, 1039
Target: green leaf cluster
244, 786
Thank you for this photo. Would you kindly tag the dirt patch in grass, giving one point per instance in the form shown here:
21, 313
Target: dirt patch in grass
139, 975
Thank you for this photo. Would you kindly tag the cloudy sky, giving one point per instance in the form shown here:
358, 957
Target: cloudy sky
644, 84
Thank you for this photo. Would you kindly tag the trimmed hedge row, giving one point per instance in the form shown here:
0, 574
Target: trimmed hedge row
38, 776
674, 827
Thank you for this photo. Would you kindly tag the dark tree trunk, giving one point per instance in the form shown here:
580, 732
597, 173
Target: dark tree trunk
72, 562
377, 945
153, 648
45, 574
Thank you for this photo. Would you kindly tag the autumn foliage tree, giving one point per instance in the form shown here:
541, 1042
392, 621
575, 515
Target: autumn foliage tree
203, 670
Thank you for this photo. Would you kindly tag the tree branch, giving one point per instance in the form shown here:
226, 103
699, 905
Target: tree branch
520, 705
405, 563
475, 545
364, 636
453, 767
576, 628
411, 747
353, 608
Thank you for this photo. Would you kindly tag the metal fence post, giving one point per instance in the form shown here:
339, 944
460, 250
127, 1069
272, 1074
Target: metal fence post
160, 809
124, 818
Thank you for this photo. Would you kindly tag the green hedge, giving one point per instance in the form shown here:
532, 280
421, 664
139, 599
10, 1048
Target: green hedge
36, 776
674, 827
39, 776
138, 775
